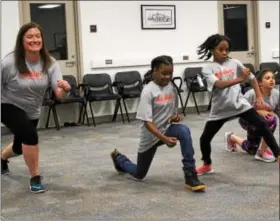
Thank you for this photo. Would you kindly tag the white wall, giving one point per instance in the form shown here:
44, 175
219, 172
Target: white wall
269, 38
9, 25
119, 37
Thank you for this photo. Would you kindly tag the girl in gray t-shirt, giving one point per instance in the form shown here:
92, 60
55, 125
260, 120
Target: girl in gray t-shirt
158, 113
223, 77
268, 112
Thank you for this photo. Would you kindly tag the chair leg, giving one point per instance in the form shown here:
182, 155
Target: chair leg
93, 119
80, 113
55, 118
182, 104
197, 110
48, 118
117, 105
86, 114
121, 111
126, 112
186, 102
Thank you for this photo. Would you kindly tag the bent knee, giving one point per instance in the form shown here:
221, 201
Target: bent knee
17, 149
184, 130
140, 176
30, 138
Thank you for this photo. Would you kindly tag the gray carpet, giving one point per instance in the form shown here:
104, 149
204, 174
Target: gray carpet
83, 184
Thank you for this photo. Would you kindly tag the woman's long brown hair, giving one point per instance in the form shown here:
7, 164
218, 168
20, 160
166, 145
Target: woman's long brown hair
20, 51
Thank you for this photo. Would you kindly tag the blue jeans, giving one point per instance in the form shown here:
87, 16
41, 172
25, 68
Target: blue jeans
144, 160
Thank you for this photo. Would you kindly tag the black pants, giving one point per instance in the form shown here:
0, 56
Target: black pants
24, 129
252, 117
251, 145
144, 160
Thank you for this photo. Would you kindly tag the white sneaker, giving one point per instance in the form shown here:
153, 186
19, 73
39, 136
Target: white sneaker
229, 145
264, 156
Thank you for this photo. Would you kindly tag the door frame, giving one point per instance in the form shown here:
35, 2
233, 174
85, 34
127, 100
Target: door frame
77, 27
256, 28
256, 19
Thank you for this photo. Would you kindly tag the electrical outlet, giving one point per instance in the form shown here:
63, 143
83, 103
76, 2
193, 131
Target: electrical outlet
109, 61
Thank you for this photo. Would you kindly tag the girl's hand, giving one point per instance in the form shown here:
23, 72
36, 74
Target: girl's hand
265, 113
176, 118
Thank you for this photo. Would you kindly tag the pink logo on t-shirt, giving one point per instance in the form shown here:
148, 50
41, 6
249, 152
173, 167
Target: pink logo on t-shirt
32, 75
165, 98
225, 74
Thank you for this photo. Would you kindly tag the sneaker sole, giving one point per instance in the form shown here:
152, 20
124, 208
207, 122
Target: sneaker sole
226, 146
264, 160
112, 157
6, 174
208, 172
196, 188
39, 191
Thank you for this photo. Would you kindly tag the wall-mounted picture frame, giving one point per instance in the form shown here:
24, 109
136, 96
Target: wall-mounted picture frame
158, 17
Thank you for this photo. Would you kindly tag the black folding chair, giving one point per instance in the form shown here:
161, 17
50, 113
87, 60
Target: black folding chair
191, 74
74, 96
129, 85
99, 87
49, 102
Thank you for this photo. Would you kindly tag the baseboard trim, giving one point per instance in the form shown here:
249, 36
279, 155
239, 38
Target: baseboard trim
108, 118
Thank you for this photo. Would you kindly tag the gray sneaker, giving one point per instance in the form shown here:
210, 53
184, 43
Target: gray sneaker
229, 145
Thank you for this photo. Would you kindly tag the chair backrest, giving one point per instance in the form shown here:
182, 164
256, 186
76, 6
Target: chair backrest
131, 81
99, 83
190, 77
191, 72
274, 66
73, 83
250, 67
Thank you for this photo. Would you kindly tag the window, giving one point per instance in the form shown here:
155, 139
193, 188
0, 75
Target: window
236, 26
51, 17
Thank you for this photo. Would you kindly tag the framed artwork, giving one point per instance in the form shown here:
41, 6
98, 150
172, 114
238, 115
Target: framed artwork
158, 17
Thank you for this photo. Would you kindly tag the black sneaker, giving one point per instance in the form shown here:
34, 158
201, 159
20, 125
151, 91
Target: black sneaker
4, 167
192, 182
114, 156
36, 185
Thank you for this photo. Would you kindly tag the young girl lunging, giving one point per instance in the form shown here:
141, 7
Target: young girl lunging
255, 145
223, 77
157, 111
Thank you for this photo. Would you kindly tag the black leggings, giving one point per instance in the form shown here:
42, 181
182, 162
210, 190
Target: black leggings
252, 117
144, 161
24, 129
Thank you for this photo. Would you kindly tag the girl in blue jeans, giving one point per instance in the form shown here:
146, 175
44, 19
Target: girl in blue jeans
158, 113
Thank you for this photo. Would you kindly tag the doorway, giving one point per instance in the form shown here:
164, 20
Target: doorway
237, 21
57, 18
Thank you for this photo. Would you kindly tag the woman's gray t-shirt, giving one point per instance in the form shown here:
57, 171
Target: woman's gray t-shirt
27, 90
226, 102
157, 105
